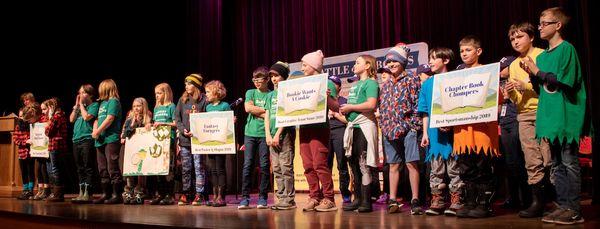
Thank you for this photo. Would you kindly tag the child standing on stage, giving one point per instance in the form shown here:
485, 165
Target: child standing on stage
313, 147
192, 101
360, 136
138, 116
399, 122
438, 143
337, 126
164, 115
476, 144
215, 92
561, 113
56, 130
28, 114
107, 131
83, 115
281, 144
254, 139
520, 91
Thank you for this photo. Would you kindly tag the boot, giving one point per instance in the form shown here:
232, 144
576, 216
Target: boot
57, 195
78, 198
365, 204
537, 202
86, 198
116, 197
356, 201
484, 199
106, 192
470, 196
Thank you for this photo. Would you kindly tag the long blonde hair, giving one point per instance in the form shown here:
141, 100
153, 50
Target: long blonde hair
372, 62
166, 89
108, 89
147, 115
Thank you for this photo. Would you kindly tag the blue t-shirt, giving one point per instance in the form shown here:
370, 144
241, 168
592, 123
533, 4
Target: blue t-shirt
440, 143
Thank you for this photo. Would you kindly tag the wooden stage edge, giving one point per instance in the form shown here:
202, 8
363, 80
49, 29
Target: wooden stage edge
35, 214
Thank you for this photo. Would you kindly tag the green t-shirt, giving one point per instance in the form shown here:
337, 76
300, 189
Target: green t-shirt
271, 107
221, 106
82, 130
255, 126
166, 114
111, 134
333, 93
561, 113
359, 93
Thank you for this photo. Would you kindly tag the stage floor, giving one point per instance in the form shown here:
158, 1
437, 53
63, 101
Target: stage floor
12, 210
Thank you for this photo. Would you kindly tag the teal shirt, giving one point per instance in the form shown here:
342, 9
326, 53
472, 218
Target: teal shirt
221, 106
82, 130
166, 114
255, 126
111, 134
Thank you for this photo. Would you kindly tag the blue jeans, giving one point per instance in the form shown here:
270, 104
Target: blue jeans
252, 145
191, 164
53, 168
566, 175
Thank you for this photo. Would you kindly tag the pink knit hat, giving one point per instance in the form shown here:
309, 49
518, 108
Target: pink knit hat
314, 59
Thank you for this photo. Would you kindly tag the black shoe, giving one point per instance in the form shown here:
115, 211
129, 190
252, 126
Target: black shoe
365, 205
106, 193
116, 197
355, 202
470, 196
484, 199
537, 204
25, 195
156, 200
415, 207
168, 200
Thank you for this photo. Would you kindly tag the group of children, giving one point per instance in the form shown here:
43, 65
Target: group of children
542, 108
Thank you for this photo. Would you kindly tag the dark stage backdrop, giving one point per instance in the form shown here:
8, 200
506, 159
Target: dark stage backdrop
52, 48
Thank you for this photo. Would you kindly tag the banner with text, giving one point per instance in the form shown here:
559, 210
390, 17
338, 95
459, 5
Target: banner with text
213, 132
465, 96
302, 101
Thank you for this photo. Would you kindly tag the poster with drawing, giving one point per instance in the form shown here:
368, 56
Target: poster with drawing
147, 152
465, 96
302, 101
213, 132
39, 140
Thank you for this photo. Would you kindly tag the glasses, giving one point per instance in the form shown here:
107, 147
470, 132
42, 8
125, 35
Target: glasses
258, 80
546, 23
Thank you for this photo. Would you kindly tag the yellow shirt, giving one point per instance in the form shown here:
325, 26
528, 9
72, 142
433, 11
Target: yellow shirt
526, 99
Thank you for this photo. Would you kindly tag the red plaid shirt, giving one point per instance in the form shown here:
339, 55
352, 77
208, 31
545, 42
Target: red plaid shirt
57, 132
20, 138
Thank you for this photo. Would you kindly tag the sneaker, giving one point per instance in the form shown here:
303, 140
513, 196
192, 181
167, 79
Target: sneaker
283, 206
183, 200
437, 205
383, 199
156, 200
198, 200
167, 200
455, 204
569, 217
394, 206
25, 195
326, 205
244, 204
551, 217
310, 205
346, 199
262, 203
415, 207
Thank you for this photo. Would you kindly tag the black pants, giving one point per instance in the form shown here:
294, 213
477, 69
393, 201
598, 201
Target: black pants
336, 144
108, 163
476, 169
85, 159
27, 166
216, 164
514, 159
42, 171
